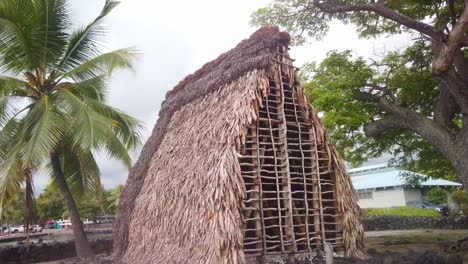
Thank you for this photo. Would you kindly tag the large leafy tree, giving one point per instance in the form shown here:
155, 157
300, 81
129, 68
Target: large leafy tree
52, 101
413, 102
332, 89
50, 204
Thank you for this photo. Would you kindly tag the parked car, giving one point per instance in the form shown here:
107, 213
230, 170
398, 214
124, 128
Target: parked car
65, 224
17, 229
6, 229
36, 228
422, 204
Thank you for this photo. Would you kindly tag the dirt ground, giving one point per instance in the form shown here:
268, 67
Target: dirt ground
393, 246
414, 240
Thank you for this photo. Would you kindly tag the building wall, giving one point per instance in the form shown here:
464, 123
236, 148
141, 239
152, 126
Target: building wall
413, 195
384, 198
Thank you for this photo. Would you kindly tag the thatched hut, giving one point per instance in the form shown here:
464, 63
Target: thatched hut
238, 169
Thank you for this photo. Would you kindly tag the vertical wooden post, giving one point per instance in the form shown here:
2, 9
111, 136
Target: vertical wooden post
337, 217
303, 171
258, 204
328, 248
277, 176
318, 204
287, 196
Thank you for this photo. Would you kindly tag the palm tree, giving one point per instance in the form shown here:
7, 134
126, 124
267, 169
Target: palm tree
52, 101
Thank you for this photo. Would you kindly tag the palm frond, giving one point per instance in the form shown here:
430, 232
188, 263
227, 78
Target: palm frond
11, 90
81, 171
128, 130
11, 179
44, 128
11, 86
8, 136
125, 127
94, 88
88, 129
117, 150
20, 34
54, 15
104, 64
83, 44
91, 93
114, 197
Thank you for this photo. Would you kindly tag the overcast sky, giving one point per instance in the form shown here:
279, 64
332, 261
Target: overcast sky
176, 38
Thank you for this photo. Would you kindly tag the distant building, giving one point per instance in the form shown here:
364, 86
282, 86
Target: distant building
382, 185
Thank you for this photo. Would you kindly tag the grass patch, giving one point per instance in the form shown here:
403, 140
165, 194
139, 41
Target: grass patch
401, 211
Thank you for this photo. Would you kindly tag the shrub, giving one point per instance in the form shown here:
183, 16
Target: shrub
401, 211
438, 195
461, 198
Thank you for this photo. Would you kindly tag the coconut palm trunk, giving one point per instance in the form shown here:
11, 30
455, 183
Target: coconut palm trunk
82, 246
29, 205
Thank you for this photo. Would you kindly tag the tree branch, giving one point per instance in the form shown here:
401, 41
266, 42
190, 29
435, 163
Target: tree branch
461, 65
405, 118
377, 128
452, 44
453, 15
445, 107
380, 9
455, 82
457, 87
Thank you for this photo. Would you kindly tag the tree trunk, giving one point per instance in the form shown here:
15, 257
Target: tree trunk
28, 215
83, 248
459, 161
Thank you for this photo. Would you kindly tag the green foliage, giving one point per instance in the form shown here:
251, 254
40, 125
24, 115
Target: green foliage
50, 204
303, 19
89, 206
337, 88
113, 199
438, 195
461, 198
401, 211
429, 161
14, 211
345, 89
332, 94
297, 16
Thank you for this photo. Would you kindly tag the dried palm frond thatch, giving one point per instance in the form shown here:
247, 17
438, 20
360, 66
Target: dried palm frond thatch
188, 198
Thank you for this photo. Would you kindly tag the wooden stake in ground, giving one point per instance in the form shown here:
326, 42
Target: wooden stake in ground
328, 252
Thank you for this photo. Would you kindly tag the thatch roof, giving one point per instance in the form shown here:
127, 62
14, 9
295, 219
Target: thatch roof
183, 199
